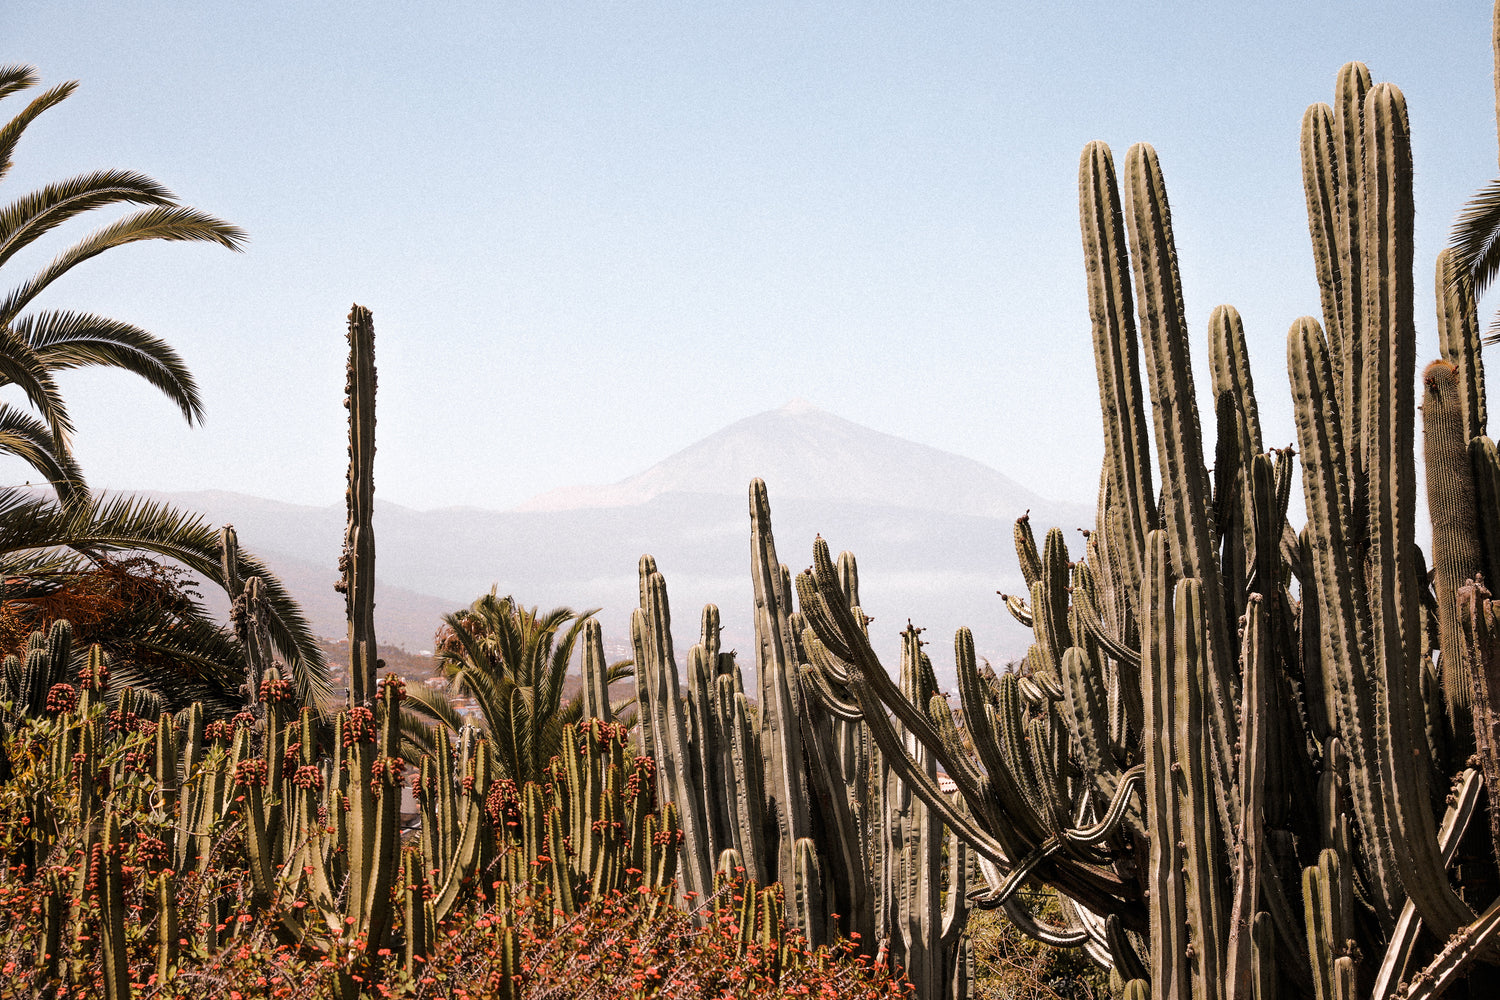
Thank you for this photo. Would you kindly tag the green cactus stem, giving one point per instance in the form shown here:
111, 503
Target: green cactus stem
1456, 554
114, 951
357, 563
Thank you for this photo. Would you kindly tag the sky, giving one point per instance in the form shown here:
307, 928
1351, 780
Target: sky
593, 234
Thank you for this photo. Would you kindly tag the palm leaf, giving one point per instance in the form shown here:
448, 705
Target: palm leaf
425, 710
38, 571
12, 79
174, 223
30, 440
209, 664
16, 77
1475, 238
418, 739
552, 728
63, 340
490, 691
19, 366
433, 704
25, 221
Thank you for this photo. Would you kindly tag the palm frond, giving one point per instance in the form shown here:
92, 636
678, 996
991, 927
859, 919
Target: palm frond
218, 702
562, 656
550, 741
37, 572
418, 739
290, 632
471, 658
510, 733
491, 692
19, 366
27, 438
16, 77
129, 523
208, 664
28, 521
26, 220
173, 223
435, 705
514, 663
10, 82
64, 340
1475, 239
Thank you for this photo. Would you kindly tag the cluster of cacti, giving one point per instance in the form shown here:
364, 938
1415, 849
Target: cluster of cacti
1229, 743
314, 827
1245, 756
593, 829
131, 808
793, 791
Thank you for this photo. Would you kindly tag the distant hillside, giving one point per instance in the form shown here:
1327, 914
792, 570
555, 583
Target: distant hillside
932, 532
805, 453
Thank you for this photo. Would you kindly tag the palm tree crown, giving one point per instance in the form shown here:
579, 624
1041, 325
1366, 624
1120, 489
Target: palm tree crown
513, 662
35, 344
45, 540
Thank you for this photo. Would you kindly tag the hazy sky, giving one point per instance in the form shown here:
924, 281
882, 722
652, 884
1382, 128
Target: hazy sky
593, 234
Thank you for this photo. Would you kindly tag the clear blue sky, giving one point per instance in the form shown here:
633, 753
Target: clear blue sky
593, 234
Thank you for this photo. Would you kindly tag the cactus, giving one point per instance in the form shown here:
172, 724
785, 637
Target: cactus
596, 703
680, 777
357, 563
795, 803
1176, 662
1455, 541
112, 914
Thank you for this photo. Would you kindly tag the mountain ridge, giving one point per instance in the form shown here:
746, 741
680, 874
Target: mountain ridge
932, 534
809, 453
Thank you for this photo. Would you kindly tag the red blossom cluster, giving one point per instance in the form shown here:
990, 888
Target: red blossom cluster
95, 681
359, 726
251, 773
121, 721
61, 698
502, 806
308, 776
274, 691
395, 682
385, 771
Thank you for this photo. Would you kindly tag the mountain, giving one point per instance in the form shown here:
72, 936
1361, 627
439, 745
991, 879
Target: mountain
932, 532
810, 454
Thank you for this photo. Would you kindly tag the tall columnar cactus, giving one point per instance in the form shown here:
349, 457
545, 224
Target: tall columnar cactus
1456, 556
680, 777
802, 799
357, 563
1222, 744
776, 662
596, 703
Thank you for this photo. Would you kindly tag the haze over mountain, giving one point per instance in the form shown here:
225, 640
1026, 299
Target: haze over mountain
808, 453
932, 531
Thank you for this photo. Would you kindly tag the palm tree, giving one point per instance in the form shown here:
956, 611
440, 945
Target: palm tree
34, 345
44, 543
513, 662
47, 541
